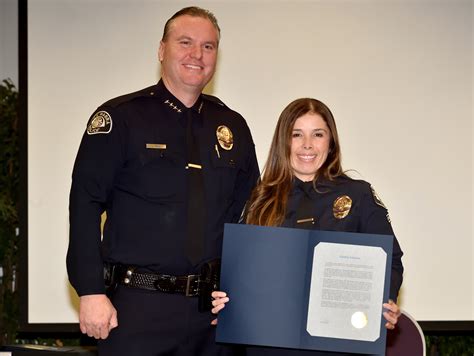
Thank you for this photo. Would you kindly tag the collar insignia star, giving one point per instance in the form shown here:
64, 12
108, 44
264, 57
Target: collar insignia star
172, 105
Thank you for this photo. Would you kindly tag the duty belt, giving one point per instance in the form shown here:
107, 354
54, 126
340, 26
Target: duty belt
200, 285
188, 285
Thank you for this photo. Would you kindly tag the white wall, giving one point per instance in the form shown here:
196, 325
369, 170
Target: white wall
396, 74
472, 137
9, 40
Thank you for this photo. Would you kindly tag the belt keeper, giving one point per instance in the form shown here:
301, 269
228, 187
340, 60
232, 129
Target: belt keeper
128, 276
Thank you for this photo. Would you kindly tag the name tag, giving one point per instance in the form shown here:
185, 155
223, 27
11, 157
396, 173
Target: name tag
156, 146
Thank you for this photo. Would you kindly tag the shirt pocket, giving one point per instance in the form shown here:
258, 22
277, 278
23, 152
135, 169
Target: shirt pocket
162, 173
224, 170
350, 223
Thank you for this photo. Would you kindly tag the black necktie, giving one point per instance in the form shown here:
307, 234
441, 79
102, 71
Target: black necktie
196, 198
304, 216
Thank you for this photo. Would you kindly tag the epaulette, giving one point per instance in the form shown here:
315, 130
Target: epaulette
214, 99
147, 92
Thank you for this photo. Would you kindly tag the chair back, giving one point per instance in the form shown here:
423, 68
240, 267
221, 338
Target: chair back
407, 339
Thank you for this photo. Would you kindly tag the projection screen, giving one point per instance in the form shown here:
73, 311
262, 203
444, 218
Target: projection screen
397, 75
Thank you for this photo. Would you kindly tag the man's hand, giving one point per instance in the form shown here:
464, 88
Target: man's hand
97, 315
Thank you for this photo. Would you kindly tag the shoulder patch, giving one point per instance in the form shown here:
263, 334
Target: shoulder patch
377, 199
101, 123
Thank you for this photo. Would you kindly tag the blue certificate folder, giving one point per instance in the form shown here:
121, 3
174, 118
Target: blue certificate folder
266, 272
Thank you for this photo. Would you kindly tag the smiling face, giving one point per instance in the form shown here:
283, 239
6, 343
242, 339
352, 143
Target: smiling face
310, 142
188, 55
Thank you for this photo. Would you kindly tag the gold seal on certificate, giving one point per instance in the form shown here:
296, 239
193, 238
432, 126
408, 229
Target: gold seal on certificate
359, 320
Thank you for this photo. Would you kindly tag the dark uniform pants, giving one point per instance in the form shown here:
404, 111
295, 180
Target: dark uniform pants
154, 323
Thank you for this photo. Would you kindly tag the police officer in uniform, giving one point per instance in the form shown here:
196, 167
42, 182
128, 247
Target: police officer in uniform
304, 186
169, 166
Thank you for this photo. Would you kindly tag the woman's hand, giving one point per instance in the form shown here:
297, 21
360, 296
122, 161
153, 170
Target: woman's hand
220, 298
391, 314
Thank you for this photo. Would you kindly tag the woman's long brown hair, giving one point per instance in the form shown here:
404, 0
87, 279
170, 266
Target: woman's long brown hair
267, 204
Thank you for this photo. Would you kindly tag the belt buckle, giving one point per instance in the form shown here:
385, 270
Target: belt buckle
190, 279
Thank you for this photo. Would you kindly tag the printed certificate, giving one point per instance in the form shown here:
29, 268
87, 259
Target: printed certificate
305, 289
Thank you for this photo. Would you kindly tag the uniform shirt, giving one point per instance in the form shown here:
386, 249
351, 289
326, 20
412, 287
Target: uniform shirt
365, 214
131, 164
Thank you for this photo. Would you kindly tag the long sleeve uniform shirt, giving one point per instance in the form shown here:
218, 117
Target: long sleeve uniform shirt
346, 205
132, 164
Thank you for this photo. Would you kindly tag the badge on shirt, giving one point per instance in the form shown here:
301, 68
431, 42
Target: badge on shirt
377, 199
341, 207
101, 123
225, 137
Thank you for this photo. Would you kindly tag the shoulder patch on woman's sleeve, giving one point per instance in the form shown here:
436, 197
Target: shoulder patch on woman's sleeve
100, 123
377, 199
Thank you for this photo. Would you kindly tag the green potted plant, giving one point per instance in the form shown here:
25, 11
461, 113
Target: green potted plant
9, 198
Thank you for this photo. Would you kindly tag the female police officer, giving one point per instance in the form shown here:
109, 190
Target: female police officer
304, 186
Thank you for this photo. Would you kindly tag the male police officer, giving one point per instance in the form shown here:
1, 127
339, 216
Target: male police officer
170, 166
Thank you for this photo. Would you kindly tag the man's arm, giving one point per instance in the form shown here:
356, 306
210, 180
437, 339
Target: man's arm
98, 160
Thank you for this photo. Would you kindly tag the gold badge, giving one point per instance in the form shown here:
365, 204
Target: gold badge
225, 137
377, 199
101, 122
342, 207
